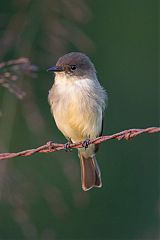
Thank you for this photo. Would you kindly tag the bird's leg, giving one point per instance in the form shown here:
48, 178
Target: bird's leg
86, 143
67, 145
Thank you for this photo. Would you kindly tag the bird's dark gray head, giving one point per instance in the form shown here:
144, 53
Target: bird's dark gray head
74, 64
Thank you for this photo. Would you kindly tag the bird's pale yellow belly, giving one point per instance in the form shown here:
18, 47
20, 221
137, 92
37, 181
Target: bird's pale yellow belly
78, 121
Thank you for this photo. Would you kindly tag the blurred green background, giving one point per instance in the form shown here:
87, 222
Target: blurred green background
41, 196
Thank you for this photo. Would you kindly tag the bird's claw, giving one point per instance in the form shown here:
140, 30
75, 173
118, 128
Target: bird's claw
86, 143
67, 147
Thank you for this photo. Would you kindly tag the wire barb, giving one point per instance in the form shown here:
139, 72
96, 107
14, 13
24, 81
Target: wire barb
52, 147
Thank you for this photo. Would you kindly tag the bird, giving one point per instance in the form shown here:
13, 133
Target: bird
77, 102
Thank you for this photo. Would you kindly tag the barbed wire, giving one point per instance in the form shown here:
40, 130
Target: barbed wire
53, 147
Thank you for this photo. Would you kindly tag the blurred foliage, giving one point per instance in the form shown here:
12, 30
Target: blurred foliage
12, 70
41, 196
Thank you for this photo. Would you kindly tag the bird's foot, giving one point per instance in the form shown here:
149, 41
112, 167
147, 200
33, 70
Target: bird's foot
67, 146
86, 143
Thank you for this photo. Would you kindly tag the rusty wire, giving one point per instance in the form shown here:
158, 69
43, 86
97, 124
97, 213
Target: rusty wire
52, 147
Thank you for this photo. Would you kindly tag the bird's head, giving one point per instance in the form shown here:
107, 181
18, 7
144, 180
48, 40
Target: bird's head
74, 64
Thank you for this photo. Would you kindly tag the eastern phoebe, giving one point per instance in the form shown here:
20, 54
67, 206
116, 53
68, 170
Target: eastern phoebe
77, 103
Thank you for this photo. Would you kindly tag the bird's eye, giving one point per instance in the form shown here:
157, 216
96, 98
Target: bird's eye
73, 67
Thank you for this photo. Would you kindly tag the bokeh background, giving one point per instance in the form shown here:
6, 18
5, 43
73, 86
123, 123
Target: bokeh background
40, 195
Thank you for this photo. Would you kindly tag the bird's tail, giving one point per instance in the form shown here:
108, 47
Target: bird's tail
90, 172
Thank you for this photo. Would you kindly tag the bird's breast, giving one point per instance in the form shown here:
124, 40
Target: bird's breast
77, 113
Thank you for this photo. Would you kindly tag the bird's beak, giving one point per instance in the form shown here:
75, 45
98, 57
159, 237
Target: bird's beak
55, 69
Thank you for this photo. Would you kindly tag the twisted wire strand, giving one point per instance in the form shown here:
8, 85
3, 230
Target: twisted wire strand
52, 147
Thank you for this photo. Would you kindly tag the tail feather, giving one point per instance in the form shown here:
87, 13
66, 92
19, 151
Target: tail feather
90, 172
